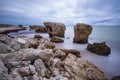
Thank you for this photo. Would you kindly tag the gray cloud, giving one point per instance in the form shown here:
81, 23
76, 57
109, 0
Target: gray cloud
69, 12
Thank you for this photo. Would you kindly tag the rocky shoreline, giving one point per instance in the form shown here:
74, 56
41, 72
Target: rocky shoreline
37, 58
4, 29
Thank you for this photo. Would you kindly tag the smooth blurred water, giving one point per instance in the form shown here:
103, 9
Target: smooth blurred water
110, 65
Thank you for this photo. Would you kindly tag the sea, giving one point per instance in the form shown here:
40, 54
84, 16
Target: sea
110, 64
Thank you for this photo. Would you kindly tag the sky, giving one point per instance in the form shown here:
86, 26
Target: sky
69, 12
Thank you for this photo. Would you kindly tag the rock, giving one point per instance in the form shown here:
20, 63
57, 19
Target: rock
72, 51
24, 71
21, 41
3, 71
82, 70
45, 44
116, 78
37, 36
32, 69
5, 30
28, 55
18, 64
5, 39
55, 29
4, 48
39, 29
99, 48
81, 33
8, 44
56, 40
40, 67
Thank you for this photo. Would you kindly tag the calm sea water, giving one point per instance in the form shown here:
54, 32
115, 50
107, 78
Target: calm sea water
110, 65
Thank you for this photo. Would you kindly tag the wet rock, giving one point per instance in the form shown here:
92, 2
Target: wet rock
82, 70
56, 40
116, 78
37, 36
55, 29
72, 51
99, 48
81, 33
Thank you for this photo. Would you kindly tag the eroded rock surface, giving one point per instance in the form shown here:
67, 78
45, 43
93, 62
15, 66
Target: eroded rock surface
81, 33
55, 29
45, 62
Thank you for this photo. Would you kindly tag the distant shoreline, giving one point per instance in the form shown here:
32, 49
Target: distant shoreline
5, 30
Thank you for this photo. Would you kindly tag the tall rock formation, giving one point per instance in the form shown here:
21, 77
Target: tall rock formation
55, 29
82, 32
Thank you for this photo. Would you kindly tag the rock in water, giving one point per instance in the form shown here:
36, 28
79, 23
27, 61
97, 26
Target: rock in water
82, 32
56, 40
99, 48
55, 29
40, 29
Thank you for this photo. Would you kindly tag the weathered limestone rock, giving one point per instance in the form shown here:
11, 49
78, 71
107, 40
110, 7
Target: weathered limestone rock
45, 44
28, 55
56, 40
55, 29
82, 70
4, 48
3, 71
5, 39
44, 62
24, 71
99, 48
81, 33
40, 67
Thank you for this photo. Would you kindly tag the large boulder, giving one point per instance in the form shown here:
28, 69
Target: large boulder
99, 48
80, 69
82, 32
55, 29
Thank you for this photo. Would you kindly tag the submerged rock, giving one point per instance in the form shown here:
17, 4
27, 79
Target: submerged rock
82, 32
55, 29
56, 40
99, 48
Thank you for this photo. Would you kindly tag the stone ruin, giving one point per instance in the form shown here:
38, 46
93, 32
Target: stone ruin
55, 29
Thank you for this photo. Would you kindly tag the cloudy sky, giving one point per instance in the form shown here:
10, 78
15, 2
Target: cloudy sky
69, 12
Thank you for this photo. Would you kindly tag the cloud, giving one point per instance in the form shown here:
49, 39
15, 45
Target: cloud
69, 12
